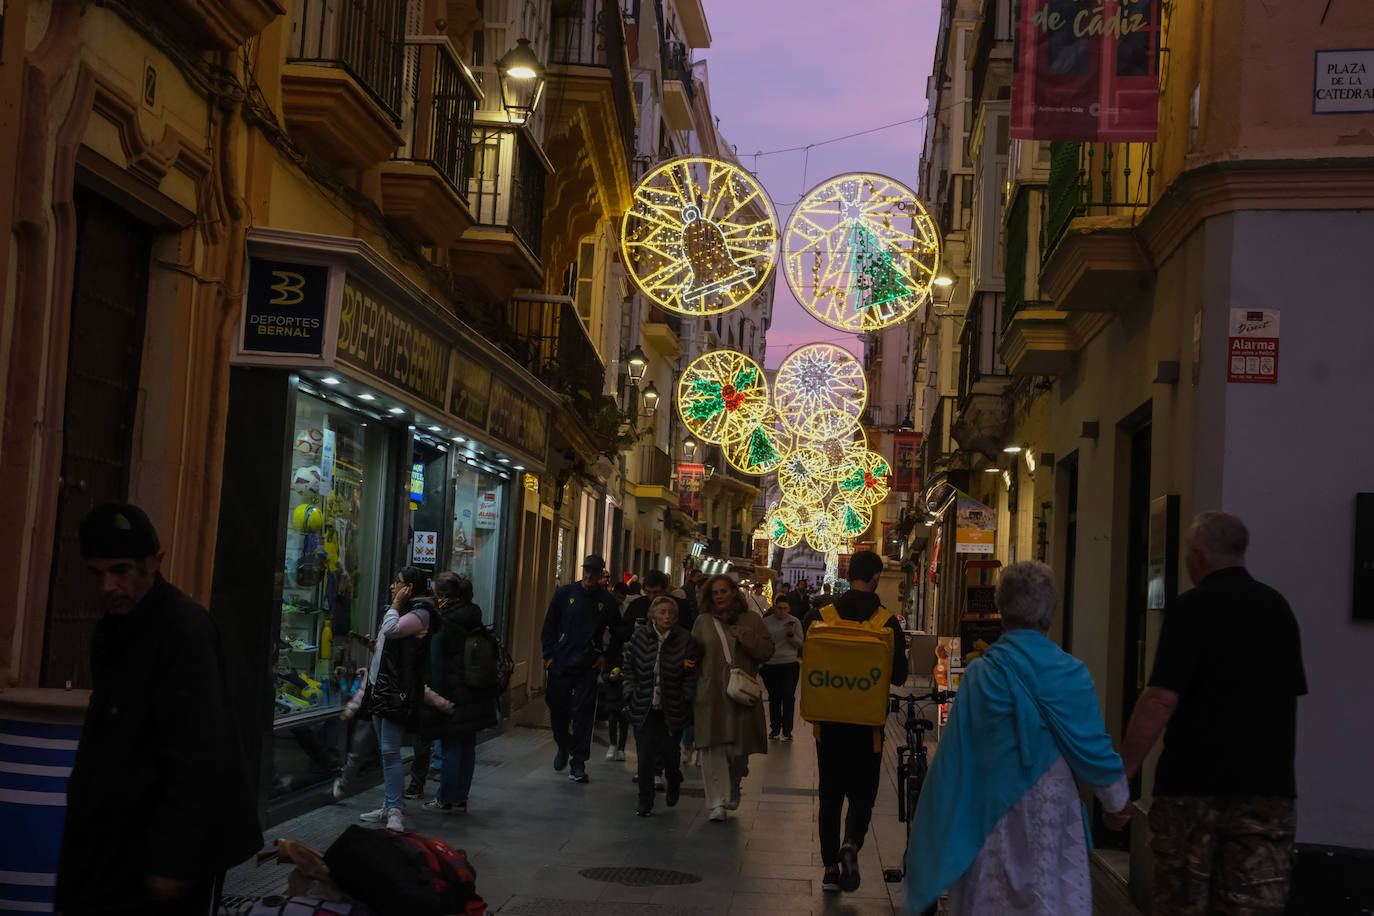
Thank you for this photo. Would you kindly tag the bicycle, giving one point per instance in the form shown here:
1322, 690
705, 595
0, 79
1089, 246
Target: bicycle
912, 761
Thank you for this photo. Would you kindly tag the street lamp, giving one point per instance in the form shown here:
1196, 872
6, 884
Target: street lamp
650, 396
638, 364
710, 471
689, 447
522, 81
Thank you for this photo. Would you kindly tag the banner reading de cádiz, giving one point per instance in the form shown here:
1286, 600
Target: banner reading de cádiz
1086, 70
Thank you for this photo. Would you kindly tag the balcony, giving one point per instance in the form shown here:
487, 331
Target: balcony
505, 193
1042, 341
424, 186
1096, 195
589, 65
662, 330
552, 343
219, 24
678, 93
692, 18
341, 87
655, 482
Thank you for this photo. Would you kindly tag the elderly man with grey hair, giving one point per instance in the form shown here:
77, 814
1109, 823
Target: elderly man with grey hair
1000, 823
1227, 676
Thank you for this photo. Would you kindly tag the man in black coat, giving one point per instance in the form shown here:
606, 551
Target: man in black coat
158, 804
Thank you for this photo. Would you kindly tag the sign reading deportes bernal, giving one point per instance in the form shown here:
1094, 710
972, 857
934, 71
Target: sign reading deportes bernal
1086, 70
375, 337
284, 310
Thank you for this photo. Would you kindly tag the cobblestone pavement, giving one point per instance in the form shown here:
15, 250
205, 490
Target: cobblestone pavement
530, 832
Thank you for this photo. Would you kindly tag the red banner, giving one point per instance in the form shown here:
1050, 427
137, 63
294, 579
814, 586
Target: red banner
690, 478
1086, 71
906, 474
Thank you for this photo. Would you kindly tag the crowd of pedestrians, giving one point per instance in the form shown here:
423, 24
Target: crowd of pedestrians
998, 827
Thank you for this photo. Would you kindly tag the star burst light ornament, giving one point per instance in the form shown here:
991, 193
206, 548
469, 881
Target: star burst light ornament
863, 480
799, 475
700, 236
860, 252
722, 396
813, 382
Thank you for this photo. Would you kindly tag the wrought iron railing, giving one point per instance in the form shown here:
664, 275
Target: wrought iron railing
506, 184
553, 345
655, 467
677, 65
1093, 178
365, 38
440, 111
575, 37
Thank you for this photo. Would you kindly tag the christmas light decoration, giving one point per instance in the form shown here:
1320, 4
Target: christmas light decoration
700, 236
784, 528
799, 475
815, 380
860, 252
864, 478
722, 396
848, 521
765, 445
822, 535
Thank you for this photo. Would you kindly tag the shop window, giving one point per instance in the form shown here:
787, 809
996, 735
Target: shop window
479, 504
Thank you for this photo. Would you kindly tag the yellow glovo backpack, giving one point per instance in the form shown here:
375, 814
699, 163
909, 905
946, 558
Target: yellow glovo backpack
846, 668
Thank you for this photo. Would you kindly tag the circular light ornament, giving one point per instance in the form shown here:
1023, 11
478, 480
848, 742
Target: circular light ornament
864, 481
700, 236
784, 528
799, 475
860, 252
848, 520
823, 535
815, 379
765, 445
839, 456
721, 396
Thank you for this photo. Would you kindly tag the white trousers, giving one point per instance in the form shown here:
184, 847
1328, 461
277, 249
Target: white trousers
721, 770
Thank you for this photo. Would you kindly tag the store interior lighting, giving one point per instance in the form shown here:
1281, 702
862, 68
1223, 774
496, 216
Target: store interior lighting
331, 380
1013, 449
395, 410
367, 397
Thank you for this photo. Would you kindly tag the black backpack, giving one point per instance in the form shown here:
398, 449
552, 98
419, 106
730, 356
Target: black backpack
403, 874
487, 666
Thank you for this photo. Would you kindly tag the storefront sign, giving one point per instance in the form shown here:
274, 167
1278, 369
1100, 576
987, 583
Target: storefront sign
1253, 354
425, 548
1343, 82
417, 482
284, 309
488, 509
374, 337
906, 472
471, 392
1086, 71
518, 421
690, 479
975, 528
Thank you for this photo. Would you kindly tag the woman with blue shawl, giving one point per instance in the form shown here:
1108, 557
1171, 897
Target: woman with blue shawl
1000, 825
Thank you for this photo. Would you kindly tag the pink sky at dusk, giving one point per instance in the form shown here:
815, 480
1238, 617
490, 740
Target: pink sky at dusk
787, 73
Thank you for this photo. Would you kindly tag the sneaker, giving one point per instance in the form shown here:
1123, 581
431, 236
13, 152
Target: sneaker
733, 803
787, 736
830, 880
674, 792
610, 753
644, 811
619, 755
435, 805
718, 813
337, 790
415, 790
460, 807
849, 867
394, 820
560, 760
373, 817
578, 773
773, 735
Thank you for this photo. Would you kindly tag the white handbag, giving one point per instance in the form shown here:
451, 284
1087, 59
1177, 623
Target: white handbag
744, 688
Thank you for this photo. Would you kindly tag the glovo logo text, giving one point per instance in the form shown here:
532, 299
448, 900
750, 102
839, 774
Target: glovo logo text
833, 681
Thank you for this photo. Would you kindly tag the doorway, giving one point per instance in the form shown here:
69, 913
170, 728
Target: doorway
104, 357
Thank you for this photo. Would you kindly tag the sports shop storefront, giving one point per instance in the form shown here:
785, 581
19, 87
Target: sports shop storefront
367, 431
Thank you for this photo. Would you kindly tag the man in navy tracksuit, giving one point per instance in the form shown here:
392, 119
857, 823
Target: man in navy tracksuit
574, 629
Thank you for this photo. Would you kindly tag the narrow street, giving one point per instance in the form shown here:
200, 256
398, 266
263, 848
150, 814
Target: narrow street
530, 833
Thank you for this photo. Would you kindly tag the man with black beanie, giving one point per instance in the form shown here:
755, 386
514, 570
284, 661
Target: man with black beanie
158, 804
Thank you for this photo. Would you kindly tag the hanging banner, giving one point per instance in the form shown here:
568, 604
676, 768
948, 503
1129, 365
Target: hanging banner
1086, 71
975, 527
906, 472
690, 478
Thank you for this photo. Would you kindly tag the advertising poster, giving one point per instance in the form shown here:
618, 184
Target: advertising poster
690, 479
760, 555
1086, 71
976, 527
488, 509
1253, 351
906, 477
327, 463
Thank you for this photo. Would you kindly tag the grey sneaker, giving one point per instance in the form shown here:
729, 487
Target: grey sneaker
337, 790
849, 867
435, 805
578, 773
394, 821
373, 817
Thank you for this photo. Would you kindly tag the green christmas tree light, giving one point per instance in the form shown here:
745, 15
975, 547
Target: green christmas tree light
876, 279
761, 450
853, 523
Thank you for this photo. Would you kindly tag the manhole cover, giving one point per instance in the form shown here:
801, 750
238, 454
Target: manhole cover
640, 877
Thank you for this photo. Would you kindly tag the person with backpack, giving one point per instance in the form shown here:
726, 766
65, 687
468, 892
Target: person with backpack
464, 669
850, 755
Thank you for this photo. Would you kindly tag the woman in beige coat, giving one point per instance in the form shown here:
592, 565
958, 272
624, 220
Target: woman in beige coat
726, 732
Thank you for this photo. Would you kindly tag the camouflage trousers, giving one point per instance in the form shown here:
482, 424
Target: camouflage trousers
1218, 854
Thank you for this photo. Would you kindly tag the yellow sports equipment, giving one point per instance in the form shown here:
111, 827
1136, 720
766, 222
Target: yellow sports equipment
846, 669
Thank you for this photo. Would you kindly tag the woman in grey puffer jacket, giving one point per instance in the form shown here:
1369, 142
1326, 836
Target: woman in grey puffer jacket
659, 677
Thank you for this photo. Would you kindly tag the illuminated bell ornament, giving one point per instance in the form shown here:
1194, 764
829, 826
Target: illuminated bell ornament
708, 257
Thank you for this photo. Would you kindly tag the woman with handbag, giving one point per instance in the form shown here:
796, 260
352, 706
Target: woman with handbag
728, 711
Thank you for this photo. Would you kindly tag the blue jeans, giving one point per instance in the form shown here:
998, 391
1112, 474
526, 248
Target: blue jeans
460, 757
391, 736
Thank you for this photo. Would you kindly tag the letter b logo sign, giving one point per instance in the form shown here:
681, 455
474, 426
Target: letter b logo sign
290, 287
